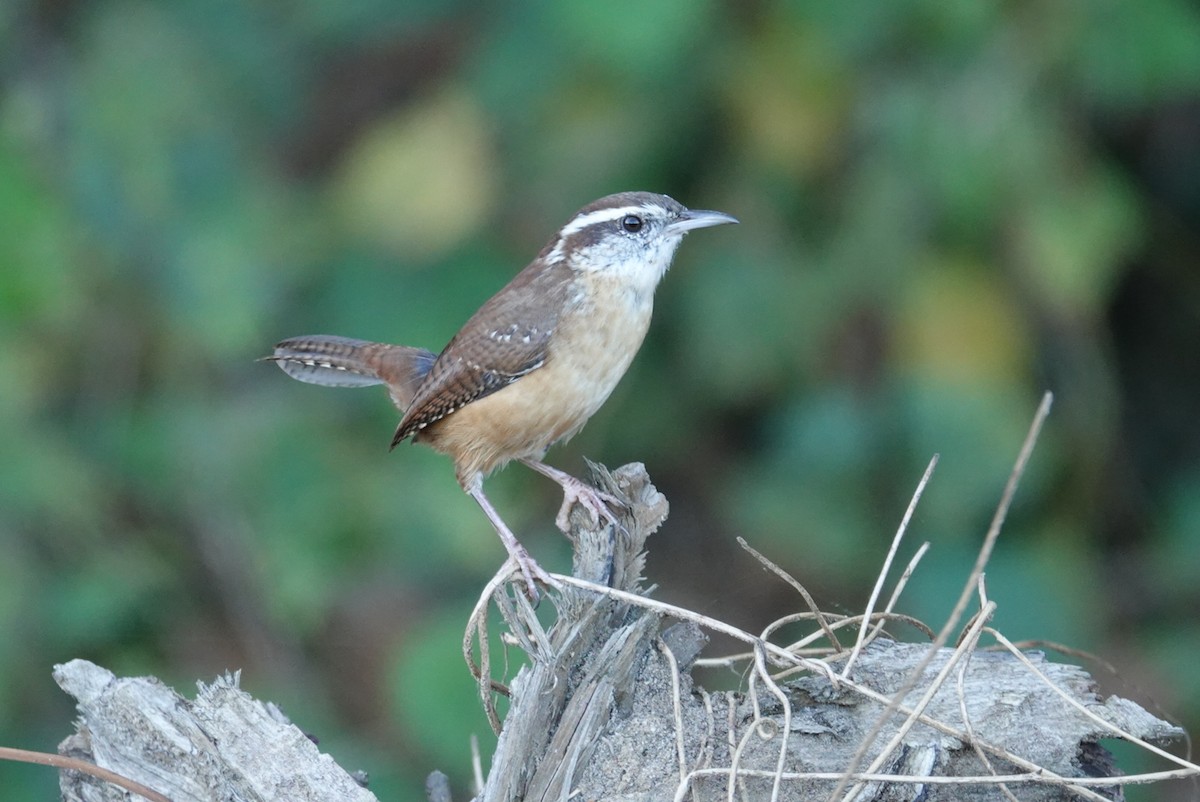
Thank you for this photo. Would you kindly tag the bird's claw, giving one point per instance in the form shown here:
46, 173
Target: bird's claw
533, 573
596, 502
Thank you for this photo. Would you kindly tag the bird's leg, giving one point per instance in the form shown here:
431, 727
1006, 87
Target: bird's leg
577, 491
529, 568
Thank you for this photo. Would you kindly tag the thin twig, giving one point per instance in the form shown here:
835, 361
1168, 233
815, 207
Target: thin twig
961, 682
760, 666
981, 560
894, 703
887, 565
900, 584
1033, 777
927, 697
804, 594
74, 763
477, 630
1106, 725
476, 765
676, 707
993, 533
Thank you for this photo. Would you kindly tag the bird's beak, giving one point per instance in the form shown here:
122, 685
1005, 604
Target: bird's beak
698, 218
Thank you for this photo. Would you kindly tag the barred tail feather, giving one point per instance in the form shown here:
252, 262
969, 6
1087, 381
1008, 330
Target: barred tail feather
333, 361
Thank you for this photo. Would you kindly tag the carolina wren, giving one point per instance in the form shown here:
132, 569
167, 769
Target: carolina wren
535, 362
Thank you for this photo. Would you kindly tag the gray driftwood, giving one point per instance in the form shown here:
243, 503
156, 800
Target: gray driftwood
604, 712
607, 710
224, 745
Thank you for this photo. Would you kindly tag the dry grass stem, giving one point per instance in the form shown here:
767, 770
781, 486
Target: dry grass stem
677, 708
762, 723
887, 566
817, 615
981, 561
74, 764
895, 597
1116, 731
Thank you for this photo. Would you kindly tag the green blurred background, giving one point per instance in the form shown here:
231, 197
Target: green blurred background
947, 208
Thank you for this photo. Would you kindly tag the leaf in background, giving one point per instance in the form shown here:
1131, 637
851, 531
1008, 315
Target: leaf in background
1072, 237
1137, 53
630, 37
36, 242
434, 695
421, 180
788, 96
958, 322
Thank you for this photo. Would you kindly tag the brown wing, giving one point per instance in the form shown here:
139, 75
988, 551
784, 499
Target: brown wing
505, 340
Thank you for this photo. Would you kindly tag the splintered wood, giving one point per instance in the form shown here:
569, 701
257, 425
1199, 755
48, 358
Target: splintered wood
606, 707
224, 745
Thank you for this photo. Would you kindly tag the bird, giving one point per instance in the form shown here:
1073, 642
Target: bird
534, 363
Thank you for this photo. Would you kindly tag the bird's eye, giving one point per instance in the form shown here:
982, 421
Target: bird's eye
632, 223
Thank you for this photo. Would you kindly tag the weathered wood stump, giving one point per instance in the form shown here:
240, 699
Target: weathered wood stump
607, 710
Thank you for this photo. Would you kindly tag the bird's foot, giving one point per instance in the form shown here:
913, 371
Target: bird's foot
575, 491
530, 570
598, 504
532, 574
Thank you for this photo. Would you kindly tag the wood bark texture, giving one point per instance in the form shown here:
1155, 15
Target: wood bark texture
607, 709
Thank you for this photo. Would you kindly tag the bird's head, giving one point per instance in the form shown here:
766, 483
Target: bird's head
630, 236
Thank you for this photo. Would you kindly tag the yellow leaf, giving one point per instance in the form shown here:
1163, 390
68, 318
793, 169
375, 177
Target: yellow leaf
958, 323
420, 181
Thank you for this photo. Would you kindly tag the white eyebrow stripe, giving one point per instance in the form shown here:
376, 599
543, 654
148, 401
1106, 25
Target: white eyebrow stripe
602, 216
